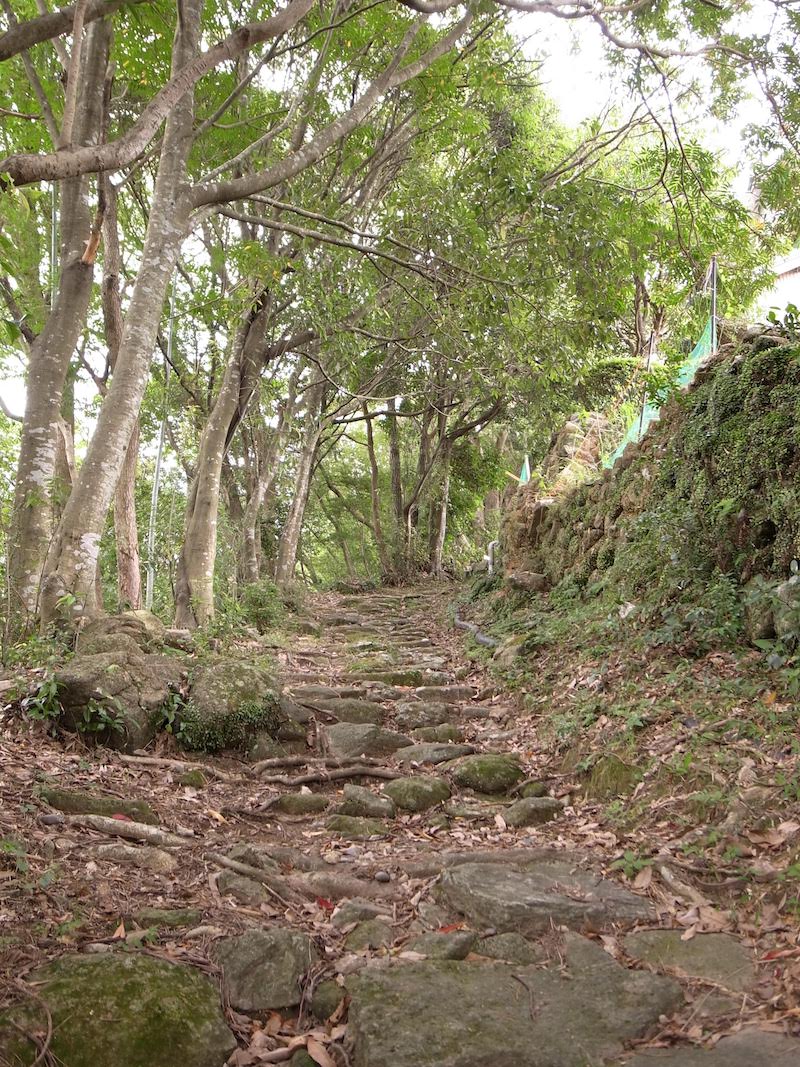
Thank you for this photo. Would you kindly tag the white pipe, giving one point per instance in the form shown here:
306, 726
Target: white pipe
490, 556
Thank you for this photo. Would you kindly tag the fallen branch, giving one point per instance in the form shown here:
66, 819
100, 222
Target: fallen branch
356, 771
134, 831
181, 765
303, 761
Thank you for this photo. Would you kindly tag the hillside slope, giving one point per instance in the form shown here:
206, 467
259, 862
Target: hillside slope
700, 522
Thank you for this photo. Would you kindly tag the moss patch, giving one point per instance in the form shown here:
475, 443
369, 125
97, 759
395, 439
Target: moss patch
125, 1009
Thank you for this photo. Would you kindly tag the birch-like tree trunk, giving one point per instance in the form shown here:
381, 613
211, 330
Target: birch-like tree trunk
126, 530
78, 541
375, 502
50, 354
290, 535
194, 585
440, 531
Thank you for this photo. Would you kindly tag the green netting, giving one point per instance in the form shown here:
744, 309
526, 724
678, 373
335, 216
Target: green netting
704, 347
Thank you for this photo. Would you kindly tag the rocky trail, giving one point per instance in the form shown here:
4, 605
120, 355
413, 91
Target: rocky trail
391, 879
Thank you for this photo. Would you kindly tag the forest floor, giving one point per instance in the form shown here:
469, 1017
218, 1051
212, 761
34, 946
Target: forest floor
488, 894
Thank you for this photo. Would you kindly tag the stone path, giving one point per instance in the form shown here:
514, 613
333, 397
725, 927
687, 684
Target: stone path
339, 907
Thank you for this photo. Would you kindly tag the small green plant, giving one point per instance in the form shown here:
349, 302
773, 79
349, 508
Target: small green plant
630, 863
790, 323
103, 716
170, 715
15, 850
43, 704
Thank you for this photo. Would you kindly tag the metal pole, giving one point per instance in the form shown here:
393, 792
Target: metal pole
151, 529
714, 303
650, 350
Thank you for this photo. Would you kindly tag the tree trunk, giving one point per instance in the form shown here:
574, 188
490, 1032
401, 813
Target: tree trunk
440, 531
267, 467
78, 541
50, 354
290, 535
194, 585
375, 502
491, 504
126, 530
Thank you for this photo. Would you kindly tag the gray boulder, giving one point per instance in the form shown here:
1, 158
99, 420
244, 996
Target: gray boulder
432, 752
360, 801
533, 811
263, 969
412, 714
143, 628
470, 1014
348, 740
131, 688
528, 900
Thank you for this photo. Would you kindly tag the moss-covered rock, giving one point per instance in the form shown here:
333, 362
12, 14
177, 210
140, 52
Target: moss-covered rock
533, 811
302, 803
173, 918
78, 802
417, 794
488, 773
230, 702
611, 777
456, 945
122, 1009
355, 827
196, 779
130, 687
533, 789
326, 998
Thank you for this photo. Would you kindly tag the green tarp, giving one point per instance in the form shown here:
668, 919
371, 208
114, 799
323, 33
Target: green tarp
704, 347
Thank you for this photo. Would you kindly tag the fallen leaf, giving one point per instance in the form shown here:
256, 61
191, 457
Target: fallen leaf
319, 1054
643, 878
120, 817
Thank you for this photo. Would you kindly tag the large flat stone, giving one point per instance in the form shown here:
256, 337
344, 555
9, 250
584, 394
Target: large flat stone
528, 900
474, 1014
411, 714
433, 752
351, 709
746, 1049
445, 694
719, 958
348, 740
